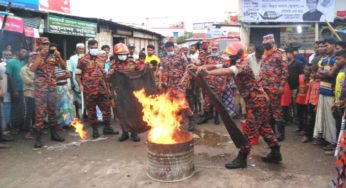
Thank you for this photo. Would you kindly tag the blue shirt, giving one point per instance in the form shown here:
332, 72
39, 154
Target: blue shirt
327, 86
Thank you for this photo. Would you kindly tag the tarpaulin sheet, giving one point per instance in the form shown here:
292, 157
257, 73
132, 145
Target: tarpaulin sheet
128, 109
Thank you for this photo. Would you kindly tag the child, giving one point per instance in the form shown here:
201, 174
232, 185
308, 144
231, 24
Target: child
156, 71
303, 80
131, 65
286, 100
311, 101
140, 62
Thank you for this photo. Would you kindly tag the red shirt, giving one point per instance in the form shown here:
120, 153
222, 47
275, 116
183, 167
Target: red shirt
313, 92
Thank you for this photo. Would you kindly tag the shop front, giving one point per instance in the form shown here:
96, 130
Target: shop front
66, 32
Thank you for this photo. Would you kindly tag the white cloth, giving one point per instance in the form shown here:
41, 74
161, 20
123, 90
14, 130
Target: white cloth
7, 96
195, 57
325, 122
311, 57
73, 62
254, 65
234, 70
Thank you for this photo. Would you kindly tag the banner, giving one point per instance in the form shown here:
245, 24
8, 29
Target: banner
68, 26
58, 6
202, 26
215, 33
31, 32
288, 10
30, 4
14, 24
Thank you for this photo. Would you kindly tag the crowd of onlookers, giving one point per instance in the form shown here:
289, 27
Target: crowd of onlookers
18, 81
313, 97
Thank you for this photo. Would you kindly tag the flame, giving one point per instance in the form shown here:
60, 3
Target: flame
64, 116
79, 128
163, 114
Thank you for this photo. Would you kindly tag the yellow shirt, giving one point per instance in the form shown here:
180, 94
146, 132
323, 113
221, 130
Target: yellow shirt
338, 85
153, 57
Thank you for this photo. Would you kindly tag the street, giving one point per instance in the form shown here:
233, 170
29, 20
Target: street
109, 163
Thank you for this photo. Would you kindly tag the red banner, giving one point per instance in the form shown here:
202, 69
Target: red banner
341, 14
13, 24
59, 6
31, 32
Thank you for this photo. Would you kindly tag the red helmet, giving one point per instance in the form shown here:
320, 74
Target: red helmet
236, 48
121, 49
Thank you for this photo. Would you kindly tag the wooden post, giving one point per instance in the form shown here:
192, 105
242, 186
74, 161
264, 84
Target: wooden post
333, 30
316, 31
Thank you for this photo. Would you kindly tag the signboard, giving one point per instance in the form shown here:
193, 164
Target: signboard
341, 14
306, 39
30, 4
201, 26
13, 24
68, 26
31, 32
58, 6
123, 32
288, 10
215, 33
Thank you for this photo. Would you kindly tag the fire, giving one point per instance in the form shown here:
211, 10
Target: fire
163, 114
79, 128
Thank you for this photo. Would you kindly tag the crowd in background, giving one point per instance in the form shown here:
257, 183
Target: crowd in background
40, 89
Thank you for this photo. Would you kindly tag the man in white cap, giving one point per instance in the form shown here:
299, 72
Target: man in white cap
132, 50
80, 51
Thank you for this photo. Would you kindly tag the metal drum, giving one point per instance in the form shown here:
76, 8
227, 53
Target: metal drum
170, 162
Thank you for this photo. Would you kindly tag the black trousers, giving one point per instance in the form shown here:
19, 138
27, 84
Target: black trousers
338, 113
310, 126
301, 115
190, 97
29, 113
17, 111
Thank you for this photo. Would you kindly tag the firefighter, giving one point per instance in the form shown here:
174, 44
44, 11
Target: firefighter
91, 77
123, 63
256, 103
45, 90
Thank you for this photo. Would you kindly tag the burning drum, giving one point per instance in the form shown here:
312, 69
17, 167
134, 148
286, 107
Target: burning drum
170, 149
170, 162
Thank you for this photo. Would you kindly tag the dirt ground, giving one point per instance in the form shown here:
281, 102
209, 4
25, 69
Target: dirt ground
107, 163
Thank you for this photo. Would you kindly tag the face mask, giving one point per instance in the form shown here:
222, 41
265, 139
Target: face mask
170, 53
267, 46
122, 57
93, 52
214, 54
